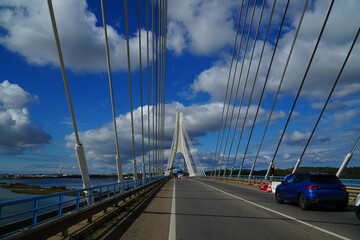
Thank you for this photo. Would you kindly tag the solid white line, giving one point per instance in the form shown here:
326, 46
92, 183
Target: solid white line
172, 229
279, 213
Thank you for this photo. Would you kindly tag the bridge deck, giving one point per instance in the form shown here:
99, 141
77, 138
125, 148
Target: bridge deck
216, 210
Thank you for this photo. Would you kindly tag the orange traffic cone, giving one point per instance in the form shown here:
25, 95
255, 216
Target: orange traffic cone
269, 188
261, 185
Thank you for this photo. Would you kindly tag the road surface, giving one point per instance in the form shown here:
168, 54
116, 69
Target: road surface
204, 209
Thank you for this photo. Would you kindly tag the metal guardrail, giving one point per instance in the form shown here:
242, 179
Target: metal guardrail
352, 183
255, 177
353, 190
36, 206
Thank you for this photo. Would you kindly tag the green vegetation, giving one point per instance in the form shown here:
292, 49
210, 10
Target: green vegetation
37, 190
21, 186
34, 189
349, 173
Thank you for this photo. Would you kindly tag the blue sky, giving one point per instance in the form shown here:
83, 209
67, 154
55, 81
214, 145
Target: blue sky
36, 134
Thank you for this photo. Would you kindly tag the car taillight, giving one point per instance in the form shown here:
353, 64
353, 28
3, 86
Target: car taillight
310, 187
343, 187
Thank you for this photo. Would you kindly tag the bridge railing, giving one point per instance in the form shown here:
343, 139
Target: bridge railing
36, 209
353, 183
256, 177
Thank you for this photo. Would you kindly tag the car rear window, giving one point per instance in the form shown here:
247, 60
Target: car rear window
324, 179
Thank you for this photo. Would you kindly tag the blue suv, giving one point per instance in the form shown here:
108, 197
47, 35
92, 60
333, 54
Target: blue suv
313, 188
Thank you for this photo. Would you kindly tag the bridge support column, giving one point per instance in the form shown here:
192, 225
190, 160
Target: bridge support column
252, 170
297, 165
240, 171
143, 169
231, 172
83, 168
268, 171
179, 146
119, 172
344, 164
118, 168
347, 159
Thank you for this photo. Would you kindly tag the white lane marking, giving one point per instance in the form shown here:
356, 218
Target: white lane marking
172, 229
279, 213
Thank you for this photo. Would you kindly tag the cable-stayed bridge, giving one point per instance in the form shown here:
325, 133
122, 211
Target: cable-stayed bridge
182, 144
212, 204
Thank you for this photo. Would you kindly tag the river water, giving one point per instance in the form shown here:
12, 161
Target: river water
69, 183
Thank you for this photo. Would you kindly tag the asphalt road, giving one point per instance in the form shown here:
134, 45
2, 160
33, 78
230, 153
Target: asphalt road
218, 210
203, 209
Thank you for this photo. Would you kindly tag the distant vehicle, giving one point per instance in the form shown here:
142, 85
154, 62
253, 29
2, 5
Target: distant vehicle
313, 188
357, 206
182, 174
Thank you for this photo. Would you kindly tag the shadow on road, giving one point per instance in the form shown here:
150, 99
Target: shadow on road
118, 228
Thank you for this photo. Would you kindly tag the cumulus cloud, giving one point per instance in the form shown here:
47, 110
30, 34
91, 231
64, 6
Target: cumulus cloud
212, 81
176, 38
100, 146
207, 26
330, 55
18, 131
99, 143
325, 67
13, 96
26, 29
296, 138
323, 72
336, 105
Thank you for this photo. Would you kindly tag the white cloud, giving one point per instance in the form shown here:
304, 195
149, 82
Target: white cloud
99, 143
323, 72
176, 39
26, 29
18, 131
339, 119
326, 65
13, 96
330, 55
298, 138
212, 81
207, 26
336, 105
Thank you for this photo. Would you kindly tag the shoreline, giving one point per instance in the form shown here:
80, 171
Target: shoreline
33, 189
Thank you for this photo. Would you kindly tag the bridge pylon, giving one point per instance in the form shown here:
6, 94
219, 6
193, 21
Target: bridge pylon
179, 146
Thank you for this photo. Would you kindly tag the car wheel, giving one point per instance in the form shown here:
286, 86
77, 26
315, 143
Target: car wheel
357, 212
303, 202
278, 197
341, 206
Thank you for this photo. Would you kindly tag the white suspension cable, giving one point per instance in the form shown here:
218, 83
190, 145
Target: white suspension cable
277, 93
78, 147
118, 160
148, 83
237, 60
131, 103
141, 97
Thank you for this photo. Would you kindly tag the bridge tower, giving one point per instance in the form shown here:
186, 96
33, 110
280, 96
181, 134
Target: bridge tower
179, 146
